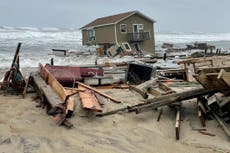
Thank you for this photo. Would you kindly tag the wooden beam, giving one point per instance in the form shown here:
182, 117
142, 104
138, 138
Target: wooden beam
151, 104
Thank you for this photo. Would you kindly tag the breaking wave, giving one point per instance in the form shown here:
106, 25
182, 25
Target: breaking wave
38, 42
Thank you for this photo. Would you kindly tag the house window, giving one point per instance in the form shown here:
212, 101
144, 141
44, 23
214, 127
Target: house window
141, 27
91, 34
137, 28
123, 28
126, 46
147, 35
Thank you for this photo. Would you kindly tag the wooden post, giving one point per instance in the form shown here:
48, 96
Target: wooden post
16, 56
178, 121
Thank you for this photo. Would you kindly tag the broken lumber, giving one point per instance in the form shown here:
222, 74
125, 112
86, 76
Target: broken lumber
151, 104
89, 100
142, 93
45, 90
225, 76
172, 98
99, 92
49, 98
222, 124
178, 121
49, 79
159, 115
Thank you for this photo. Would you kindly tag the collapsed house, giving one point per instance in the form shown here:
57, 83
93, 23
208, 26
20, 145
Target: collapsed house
131, 32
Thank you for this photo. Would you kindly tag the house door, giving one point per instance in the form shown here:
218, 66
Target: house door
136, 31
136, 28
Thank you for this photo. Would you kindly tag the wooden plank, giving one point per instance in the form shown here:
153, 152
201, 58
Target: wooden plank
154, 92
100, 99
52, 97
49, 78
225, 76
142, 93
88, 100
70, 106
45, 90
101, 93
38, 83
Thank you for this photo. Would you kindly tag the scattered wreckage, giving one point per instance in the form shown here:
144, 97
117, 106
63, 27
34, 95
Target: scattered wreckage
58, 88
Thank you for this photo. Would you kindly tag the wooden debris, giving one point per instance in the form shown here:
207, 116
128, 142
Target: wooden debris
223, 125
159, 115
99, 92
214, 78
178, 122
201, 117
142, 93
26, 87
13, 79
151, 104
206, 133
89, 100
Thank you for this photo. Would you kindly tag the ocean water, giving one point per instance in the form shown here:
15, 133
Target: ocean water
37, 44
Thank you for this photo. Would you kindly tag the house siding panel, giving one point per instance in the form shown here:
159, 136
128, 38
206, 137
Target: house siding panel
105, 34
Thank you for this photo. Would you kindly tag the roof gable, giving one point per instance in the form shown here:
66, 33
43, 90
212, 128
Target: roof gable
113, 19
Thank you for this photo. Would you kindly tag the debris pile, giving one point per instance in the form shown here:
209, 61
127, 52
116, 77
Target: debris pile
59, 88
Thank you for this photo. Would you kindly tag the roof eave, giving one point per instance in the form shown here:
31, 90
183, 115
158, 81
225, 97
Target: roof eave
91, 27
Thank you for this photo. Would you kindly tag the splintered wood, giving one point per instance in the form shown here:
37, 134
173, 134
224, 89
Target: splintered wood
89, 100
214, 78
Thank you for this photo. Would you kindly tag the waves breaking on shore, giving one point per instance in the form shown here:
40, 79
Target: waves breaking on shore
38, 42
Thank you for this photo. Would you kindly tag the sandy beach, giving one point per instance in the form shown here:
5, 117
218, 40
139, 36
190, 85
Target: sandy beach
24, 128
27, 129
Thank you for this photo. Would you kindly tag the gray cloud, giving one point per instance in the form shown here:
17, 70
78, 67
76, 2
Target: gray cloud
171, 15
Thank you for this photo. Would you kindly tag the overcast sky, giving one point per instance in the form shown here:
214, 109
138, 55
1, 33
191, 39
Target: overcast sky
171, 15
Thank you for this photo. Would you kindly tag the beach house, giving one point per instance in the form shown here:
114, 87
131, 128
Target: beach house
132, 31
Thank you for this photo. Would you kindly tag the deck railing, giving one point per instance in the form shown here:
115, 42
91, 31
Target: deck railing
138, 36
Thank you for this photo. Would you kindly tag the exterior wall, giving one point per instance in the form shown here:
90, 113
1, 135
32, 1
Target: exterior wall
84, 37
103, 35
147, 46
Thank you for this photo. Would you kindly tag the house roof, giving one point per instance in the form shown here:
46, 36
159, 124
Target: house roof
113, 19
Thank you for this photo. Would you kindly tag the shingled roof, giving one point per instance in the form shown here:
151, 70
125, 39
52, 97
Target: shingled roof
113, 19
